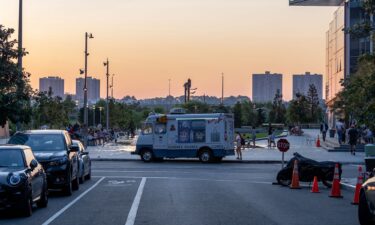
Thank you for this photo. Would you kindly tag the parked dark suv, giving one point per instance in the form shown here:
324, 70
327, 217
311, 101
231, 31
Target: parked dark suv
23, 181
53, 149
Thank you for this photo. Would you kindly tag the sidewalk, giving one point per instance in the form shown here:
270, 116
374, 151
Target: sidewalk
301, 144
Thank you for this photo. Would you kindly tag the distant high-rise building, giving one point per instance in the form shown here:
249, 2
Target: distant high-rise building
55, 83
266, 85
302, 82
93, 90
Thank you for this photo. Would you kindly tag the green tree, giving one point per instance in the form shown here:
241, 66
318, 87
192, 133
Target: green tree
298, 110
278, 110
248, 114
313, 100
196, 107
15, 91
237, 111
49, 111
357, 99
261, 117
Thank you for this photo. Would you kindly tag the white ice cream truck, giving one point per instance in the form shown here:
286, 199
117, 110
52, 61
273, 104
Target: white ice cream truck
209, 137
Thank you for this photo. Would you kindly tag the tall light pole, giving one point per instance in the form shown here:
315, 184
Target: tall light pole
85, 114
100, 115
20, 36
93, 116
107, 103
112, 86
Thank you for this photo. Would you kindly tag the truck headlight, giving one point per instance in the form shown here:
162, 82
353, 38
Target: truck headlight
14, 179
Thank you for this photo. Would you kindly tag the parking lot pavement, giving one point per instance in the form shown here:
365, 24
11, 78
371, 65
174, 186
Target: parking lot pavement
166, 193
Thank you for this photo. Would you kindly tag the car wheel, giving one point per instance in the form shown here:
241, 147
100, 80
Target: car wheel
147, 155
68, 189
205, 156
82, 177
43, 202
88, 176
28, 207
75, 184
364, 215
282, 178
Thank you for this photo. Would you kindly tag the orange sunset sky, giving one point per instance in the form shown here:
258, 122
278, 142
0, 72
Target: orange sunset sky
150, 41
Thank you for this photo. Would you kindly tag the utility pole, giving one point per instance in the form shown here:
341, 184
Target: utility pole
20, 34
112, 86
93, 116
222, 88
85, 109
107, 102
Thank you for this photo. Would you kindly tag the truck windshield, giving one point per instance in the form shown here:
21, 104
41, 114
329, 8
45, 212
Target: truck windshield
147, 128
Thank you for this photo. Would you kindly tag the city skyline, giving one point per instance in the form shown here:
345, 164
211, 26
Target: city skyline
195, 39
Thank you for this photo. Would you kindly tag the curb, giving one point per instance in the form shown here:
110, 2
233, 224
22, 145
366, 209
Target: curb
196, 160
347, 187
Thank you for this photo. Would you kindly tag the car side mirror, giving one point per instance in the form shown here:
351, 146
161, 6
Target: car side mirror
74, 149
33, 164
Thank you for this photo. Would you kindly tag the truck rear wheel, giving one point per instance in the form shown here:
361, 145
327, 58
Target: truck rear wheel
205, 155
147, 155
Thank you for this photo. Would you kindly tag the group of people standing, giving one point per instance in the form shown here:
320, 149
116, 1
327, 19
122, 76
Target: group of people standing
353, 136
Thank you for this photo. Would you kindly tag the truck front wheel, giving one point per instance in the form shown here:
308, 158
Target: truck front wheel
146, 155
205, 155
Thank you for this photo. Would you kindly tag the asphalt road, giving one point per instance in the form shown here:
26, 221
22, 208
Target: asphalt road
190, 193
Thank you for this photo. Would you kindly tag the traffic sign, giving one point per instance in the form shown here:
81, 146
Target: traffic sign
283, 145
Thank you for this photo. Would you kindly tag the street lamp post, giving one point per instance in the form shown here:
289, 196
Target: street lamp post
106, 64
93, 116
85, 115
100, 115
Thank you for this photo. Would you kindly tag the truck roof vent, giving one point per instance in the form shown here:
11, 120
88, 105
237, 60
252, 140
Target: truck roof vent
177, 111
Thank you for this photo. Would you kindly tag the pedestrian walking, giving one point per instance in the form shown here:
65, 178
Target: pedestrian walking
340, 130
323, 130
239, 141
269, 134
272, 139
253, 136
353, 136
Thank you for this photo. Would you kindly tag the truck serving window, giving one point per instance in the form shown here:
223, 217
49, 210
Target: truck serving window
147, 128
191, 131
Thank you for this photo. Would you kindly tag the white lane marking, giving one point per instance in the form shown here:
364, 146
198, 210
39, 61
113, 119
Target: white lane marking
192, 179
134, 209
51, 219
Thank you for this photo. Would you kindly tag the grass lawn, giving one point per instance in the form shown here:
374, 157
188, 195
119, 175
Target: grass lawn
260, 135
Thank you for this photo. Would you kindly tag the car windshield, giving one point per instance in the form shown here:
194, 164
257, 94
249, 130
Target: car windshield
40, 142
11, 158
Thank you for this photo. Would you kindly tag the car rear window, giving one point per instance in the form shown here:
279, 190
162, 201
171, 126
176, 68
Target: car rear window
40, 142
11, 158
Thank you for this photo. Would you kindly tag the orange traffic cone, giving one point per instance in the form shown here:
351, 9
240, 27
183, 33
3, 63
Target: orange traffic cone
335, 191
318, 142
315, 187
358, 186
295, 177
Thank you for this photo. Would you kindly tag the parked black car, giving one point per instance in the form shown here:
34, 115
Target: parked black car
84, 162
23, 181
53, 149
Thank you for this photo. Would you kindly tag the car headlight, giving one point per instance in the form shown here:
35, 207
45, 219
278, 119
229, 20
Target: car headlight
59, 162
14, 179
